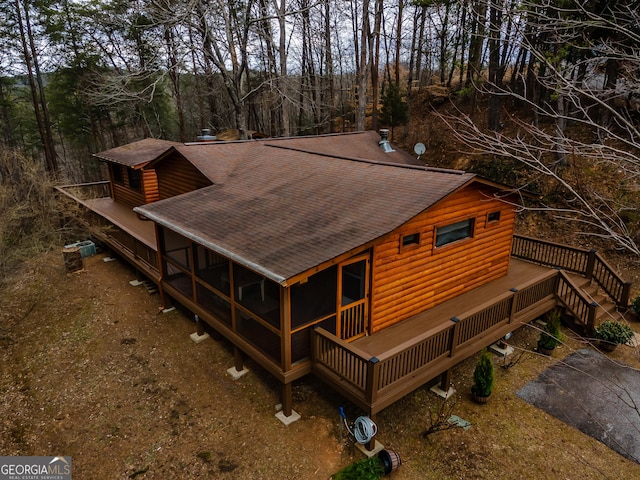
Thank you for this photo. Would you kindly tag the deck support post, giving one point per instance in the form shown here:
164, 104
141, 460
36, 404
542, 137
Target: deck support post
238, 359
287, 399
445, 380
199, 326
286, 414
371, 444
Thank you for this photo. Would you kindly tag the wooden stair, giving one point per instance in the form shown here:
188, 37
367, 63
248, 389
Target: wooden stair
606, 309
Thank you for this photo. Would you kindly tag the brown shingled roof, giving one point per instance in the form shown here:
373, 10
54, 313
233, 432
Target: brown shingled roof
137, 153
282, 211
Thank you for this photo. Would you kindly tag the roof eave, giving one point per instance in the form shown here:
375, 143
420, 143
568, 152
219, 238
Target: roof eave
216, 248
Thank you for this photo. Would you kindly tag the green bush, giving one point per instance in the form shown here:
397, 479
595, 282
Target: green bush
551, 337
483, 376
635, 305
614, 332
366, 469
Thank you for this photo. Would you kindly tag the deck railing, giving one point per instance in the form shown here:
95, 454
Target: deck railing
375, 382
87, 191
588, 263
572, 297
112, 234
352, 320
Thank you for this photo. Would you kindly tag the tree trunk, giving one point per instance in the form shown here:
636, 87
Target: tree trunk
493, 120
363, 70
37, 89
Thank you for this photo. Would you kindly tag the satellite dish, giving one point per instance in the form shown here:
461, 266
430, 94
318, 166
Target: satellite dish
419, 148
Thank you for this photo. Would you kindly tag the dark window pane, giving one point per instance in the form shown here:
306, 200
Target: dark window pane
493, 216
134, 178
117, 174
413, 239
454, 232
314, 299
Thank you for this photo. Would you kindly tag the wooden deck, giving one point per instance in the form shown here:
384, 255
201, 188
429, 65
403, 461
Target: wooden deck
117, 225
126, 219
520, 273
374, 372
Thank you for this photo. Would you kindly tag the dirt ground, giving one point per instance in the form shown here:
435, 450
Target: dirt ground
90, 368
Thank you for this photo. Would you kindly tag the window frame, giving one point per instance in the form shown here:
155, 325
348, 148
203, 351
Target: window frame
409, 240
491, 221
116, 172
470, 228
134, 177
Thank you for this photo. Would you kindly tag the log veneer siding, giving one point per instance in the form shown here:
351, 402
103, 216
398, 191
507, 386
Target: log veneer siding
131, 197
418, 277
150, 186
177, 176
126, 195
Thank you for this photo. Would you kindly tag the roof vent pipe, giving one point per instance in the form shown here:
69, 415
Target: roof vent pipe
206, 136
384, 141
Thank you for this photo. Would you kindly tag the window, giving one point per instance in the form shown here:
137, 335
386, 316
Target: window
411, 239
134, 178
454, 232
493, 217
117, 174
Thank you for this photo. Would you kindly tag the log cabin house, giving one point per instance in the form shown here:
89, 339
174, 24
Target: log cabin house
337, 256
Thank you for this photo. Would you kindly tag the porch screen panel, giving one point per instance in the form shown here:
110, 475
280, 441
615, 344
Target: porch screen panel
215, 304
258, 335
314, 299
257, 294
213, 269
176, 248
301, 340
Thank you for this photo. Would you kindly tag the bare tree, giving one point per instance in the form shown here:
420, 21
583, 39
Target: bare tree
586, 63
40, 108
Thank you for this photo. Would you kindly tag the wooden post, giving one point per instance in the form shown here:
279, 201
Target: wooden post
445, 381
454, 337
287, 399
592, 319
371, 444
238, 359
591, 261
199, 326
624, 297
514, 304
373, 373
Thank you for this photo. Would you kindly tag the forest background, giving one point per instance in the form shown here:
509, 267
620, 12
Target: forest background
543, 95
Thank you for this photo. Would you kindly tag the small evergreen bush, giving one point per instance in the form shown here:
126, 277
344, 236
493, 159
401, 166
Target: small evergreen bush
551, 337
483, 375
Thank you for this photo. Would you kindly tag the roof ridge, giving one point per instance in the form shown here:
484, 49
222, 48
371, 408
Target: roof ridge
366, 160
270, 139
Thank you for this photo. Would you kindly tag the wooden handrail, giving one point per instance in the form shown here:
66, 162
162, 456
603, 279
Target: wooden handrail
551, 254
612, 283
572, 297
578, 260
